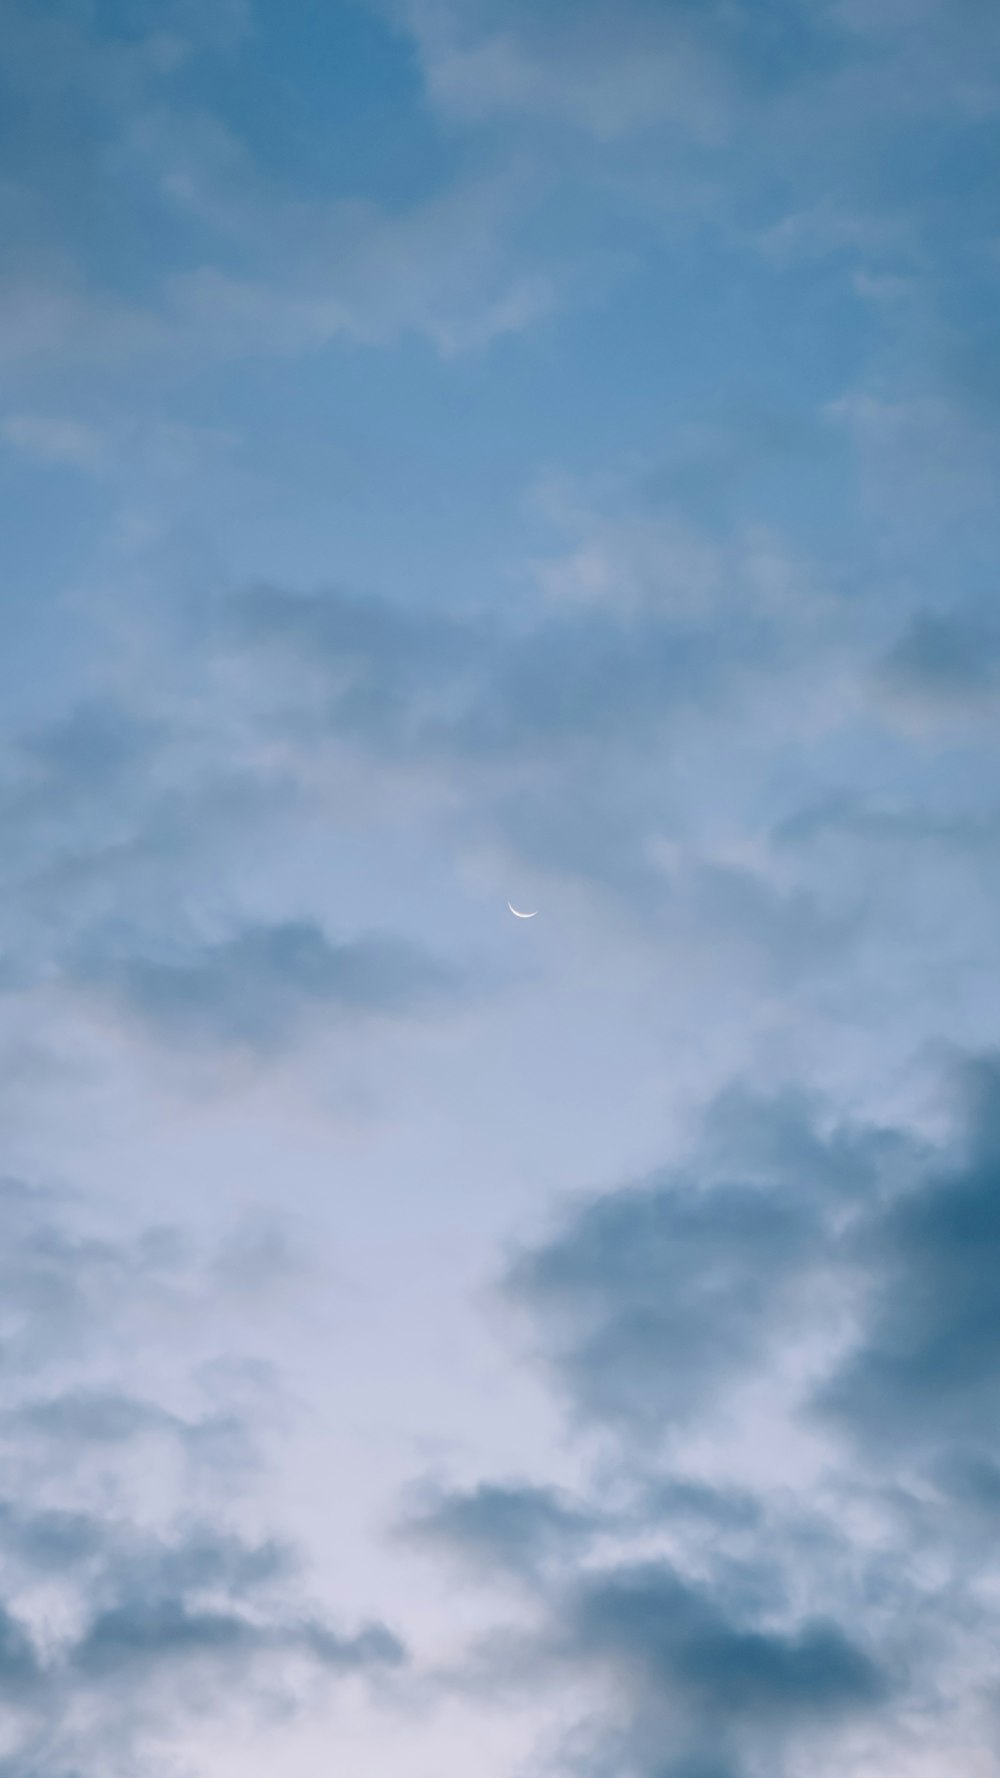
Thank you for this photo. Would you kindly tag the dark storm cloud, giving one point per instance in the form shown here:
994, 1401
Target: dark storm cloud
256, 988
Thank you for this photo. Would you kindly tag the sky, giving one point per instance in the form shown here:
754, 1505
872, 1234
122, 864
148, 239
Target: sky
460, 451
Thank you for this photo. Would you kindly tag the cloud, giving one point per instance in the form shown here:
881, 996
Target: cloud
126, 1611
200, 249
692, 1675
673, 1672
256, 988
171, 1626
649, 1625
787, 1582
612, 70
927, 1363
129, 835
445, 271
531, 722
152, 1638
685, 718
652, 1299
946, 660
502, 1526
90, 1417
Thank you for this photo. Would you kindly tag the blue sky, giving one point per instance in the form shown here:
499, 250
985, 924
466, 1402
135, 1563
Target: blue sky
460, 450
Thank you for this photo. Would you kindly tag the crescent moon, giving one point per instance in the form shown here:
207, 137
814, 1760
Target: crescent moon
518, 914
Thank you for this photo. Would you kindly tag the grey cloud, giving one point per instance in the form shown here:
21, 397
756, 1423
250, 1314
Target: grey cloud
650, 1622
972, 1480
513, 1527
88, 750
695, 1686
525, 1531
946, 658
20, 1668
688, 1500
85, 1417
375, 1646
773, 1616
202, 1558
156, 1636
565, 738
382, 669
895, 825
530, 722
457, 685
95, 1418
704, 1664
926, 1366
158, 1613
650, 1299
794, 930
255, 988
51, 1538
104, 810
604, 678
764, 1627
58, 1278
203, 1607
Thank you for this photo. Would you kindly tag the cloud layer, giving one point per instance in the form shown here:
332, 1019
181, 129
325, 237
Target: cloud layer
460, 450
